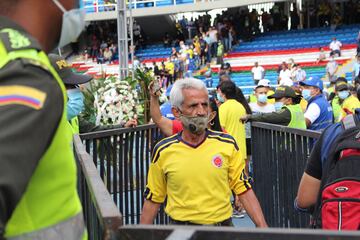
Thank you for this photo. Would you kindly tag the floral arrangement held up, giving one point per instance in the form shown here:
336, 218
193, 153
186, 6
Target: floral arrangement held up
116, 102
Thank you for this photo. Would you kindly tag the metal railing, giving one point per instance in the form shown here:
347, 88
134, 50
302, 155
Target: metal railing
122, 157
279, 156
91, 6
228, 233
101, 216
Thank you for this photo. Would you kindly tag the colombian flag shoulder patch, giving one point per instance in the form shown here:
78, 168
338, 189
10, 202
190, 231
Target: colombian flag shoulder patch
22, 95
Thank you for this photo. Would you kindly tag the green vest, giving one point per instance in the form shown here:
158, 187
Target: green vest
75, 125
335, 104
252, 98
330, 90
297, 116
51, 198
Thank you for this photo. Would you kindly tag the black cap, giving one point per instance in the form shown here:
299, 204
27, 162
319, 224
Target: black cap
283, 91
63, 68
340, 86
341, 79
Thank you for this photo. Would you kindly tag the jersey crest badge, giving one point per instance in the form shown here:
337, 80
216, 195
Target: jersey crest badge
217, 161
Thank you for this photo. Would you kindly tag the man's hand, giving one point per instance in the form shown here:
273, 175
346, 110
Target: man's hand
163, 123
131, 123
245, 118
154, 94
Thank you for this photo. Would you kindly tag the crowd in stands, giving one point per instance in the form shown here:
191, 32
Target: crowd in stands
101, 42
328, 13
217, 36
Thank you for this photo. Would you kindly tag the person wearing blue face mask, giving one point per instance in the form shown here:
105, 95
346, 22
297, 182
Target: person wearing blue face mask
38, 193
261, 105
347, 101
288, 110
318, 114
75, 104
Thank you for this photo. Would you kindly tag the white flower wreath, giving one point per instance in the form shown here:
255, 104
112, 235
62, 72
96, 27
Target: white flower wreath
116, 103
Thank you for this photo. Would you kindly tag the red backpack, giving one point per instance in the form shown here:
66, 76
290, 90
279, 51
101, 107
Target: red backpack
338, 207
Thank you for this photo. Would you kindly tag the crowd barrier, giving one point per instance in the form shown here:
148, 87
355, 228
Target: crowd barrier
101, 215
113, 165
122, 157
279, 156
228, 233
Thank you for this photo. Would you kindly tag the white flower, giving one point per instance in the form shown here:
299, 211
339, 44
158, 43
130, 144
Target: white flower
116, 102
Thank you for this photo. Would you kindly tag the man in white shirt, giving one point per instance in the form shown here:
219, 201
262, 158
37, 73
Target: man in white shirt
261, 105
331, 69
258, 72
300, 74
286, 81
335, 47
284, 73
213, 35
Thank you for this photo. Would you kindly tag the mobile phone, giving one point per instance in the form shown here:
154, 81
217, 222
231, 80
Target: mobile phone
157, 85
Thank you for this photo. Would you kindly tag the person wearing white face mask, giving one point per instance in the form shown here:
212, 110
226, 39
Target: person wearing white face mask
347, 101
288, 111
37, 200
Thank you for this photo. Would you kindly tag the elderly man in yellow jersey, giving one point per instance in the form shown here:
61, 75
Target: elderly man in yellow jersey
197, 169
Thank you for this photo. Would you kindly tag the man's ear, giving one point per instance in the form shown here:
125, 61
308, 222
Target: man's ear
212, 116
176, 112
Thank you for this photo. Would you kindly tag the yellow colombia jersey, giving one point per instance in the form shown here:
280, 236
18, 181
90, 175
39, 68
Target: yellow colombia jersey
349, 105
230, 113
197, 180
169, 66
270, 100
303, 104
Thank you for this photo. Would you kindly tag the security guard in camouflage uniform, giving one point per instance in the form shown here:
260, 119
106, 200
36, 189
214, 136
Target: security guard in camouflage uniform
38, 195
289, 112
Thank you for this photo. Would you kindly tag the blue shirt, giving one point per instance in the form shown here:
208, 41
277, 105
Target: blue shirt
165, 110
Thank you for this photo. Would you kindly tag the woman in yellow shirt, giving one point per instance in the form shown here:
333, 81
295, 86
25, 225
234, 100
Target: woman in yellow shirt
234, 107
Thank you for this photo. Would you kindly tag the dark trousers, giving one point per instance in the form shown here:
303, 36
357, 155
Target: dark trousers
332, 53
226, 223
